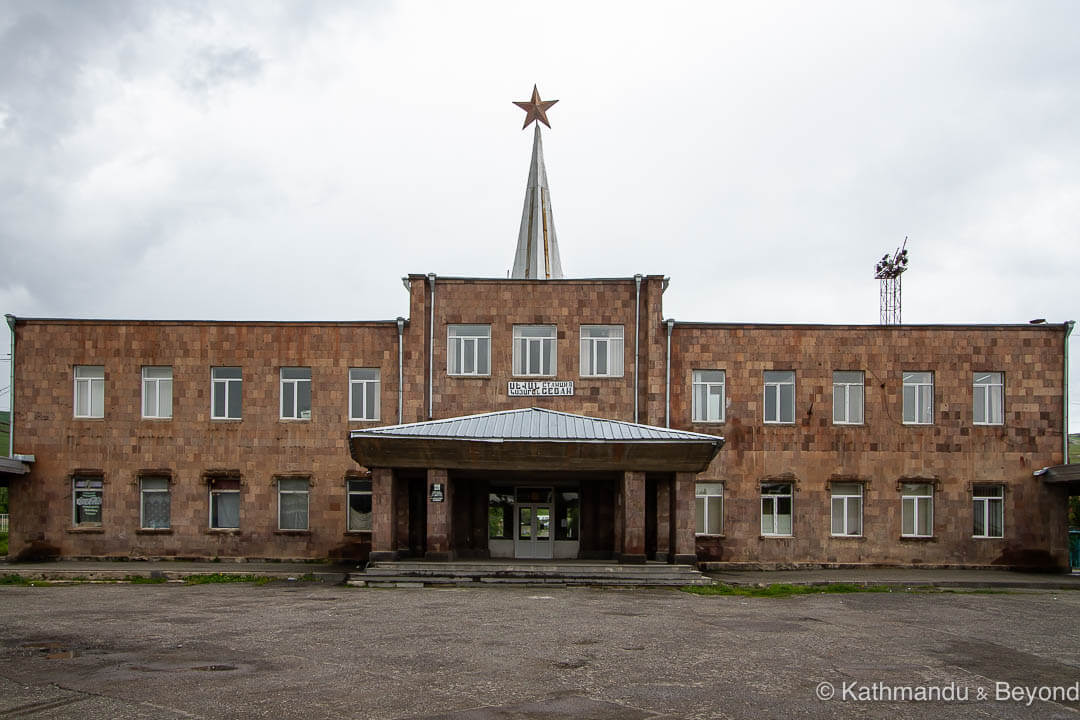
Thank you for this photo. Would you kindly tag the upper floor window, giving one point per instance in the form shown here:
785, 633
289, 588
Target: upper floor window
989, 507
157, 392
89, 391
534, 349
779, 396
989, 400
468, 350
709, 508
364, 393
295, 393
919, 398
708, 396
86, 498
847, 388
601, 350
226, 383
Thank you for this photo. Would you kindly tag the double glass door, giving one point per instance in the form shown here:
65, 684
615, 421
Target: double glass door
533, 531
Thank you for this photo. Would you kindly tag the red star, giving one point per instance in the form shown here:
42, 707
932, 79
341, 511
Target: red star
535, 108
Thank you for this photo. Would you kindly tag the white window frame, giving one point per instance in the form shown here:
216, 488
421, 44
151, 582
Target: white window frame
985, 389
144, 491
227, 382
846, 388
910, 381
366, 387
775, 514
90, 377
910, 499
778, 405
351, 491
306, 492
99, 489
838, 492
456, 346
157, 388
295, 383
987, 502
698, 381
613, 348
535, 344
217, 493
702, 493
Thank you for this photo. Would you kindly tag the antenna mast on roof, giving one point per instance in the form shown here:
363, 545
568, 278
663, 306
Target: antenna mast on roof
888, 270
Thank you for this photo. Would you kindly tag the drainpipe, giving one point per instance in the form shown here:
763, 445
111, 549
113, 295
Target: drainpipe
431, 351
400, 369
637, 329
11, 391
1065, 377
667, 387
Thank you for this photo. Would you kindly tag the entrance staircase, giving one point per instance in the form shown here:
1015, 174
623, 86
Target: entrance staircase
480, 573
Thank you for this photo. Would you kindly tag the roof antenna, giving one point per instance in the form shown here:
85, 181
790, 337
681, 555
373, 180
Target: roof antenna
888, 270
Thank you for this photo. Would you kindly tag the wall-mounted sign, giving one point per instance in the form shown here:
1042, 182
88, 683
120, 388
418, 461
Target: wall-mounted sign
437, 492
518, 388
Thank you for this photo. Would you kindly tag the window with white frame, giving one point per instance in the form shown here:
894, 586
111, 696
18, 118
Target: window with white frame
157, 392
225, 391
919, 398
87, 496
847, 504
359, 505
89, 391
601, 350
708, 396
295, 393
989, 507
917, 509
364, 392
779, 396
534, 350
468, 349
154, 503
988, 389
709, 506
224, 503
847, 392
776, 509
293, 496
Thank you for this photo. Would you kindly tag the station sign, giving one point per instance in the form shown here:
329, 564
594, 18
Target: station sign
518, 388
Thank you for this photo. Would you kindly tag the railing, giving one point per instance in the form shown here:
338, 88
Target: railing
3, 523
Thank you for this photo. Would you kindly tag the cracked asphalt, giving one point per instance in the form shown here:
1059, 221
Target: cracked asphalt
314, 651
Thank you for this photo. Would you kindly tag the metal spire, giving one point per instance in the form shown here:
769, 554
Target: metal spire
537, 255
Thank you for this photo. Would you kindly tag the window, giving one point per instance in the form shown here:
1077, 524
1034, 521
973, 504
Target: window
847, 508
359, 505
501, 513
776, 509
225, 393
468, 350
292, 503
989, 405
86, 500
89, 391
779, 396
989, 502
601, 350
917, 501
295, 393
157, 392
224, 503
847, 397
709, 505
154, 505
534, 349
567, 514
708, 396
919, 398
363, 394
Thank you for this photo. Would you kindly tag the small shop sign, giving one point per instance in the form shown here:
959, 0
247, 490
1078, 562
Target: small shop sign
519, 388
437, 494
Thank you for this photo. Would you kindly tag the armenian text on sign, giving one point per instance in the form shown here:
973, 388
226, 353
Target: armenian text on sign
519, 388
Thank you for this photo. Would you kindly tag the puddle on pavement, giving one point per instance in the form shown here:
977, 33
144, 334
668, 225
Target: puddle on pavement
214, 668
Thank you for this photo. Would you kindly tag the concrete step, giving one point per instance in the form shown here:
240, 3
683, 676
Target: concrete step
391, 581
410, 573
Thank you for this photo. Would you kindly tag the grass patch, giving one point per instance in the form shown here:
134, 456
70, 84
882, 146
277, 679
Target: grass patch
212, 578
3, 544
784, 590
19, 580
140, 580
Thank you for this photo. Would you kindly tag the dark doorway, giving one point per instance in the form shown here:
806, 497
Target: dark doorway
418, 516
650, 517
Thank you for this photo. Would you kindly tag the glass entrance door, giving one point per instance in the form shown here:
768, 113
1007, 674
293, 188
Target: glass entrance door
533, 531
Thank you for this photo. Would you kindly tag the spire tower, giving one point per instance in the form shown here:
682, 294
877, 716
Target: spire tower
537, 255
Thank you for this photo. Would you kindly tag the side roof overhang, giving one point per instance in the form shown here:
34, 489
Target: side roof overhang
1067, 476
533, 439
13, 466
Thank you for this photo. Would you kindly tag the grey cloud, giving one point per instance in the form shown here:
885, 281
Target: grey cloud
211, 67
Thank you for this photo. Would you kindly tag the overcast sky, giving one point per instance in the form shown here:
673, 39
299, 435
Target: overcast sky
292, 161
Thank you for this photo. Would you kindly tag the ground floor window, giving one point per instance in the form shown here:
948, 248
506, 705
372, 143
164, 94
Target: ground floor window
501, 513
224, 503
989, 502
917, 500
155, 503
709, 507
359, 505
847, 503
776, 509
293, 497
567, 514
87, 496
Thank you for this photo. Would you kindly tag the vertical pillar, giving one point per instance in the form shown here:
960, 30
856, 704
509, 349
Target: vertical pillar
439, 516
632, 518
383, 515
682, 518
663, 519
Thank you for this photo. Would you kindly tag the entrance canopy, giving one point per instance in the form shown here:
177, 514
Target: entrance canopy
1067, 476
533, 439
